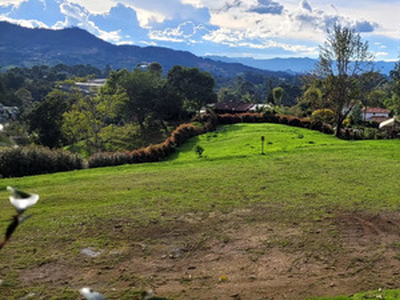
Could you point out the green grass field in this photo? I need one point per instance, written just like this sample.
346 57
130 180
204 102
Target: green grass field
304 178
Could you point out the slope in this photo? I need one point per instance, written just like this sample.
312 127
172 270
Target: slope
310 218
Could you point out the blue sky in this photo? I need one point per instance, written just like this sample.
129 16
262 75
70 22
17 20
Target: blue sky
235 28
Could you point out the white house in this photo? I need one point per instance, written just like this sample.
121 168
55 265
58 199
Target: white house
376 114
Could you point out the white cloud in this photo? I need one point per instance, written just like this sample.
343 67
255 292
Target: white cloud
147 43
15 3
76 15
195 3
95 6
245 39
24 23
381 54
146 17
267 7
306 5
187 32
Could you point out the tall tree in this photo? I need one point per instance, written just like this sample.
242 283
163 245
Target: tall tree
46 119
343 58
277 93
143 88
393 103
196 87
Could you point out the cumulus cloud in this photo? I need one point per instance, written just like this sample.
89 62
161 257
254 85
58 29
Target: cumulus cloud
94 6
364 26
247 39
187 32
267 7
159 11
124 19
14 3
76 15
24 23
307 18
306 5
384 54
230 5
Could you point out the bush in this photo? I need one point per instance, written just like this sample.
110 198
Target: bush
199 151
370 133
271 117
23 161
323 115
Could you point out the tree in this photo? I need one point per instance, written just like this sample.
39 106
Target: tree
395 77
393 103
47 117
169 106
270 97
89 116
143 88
376 98
196 87
277 93
343 58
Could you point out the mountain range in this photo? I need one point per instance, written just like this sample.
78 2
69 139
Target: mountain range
26 47
293 65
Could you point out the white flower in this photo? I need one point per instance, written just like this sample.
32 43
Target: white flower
22 200
89 294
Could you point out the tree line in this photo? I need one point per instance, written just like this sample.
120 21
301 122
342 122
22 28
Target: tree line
106 121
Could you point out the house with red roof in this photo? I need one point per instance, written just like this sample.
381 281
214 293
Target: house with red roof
376 114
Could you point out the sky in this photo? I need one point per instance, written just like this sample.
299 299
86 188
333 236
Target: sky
260 29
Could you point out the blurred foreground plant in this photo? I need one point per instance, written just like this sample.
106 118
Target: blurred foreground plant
21 201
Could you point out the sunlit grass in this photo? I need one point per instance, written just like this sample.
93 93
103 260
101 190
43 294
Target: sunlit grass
304 173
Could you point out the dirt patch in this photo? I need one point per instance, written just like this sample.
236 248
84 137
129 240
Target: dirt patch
246 254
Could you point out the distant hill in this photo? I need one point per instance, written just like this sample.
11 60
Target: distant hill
26 47
291 65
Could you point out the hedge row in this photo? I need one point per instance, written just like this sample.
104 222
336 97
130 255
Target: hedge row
269 117
153 153
17 162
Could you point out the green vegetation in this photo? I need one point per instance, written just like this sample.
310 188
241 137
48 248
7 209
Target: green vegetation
304 178
375 295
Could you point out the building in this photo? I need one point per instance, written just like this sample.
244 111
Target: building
238 107
89 87
376 114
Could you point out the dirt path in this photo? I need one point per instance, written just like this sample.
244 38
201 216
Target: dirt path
246 254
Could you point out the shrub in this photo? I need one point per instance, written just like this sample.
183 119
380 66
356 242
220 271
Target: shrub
199 151
23 161
323 115
370 133
109 159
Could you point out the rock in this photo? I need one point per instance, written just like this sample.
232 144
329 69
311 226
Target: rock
90 252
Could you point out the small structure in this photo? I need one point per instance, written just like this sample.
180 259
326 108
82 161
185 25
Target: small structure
89 87
392 124
376 114
8 113
238 107
260 106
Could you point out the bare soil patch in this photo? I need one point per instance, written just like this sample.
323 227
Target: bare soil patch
245 254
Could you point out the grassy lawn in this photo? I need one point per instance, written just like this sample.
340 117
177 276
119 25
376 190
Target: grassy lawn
304 178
